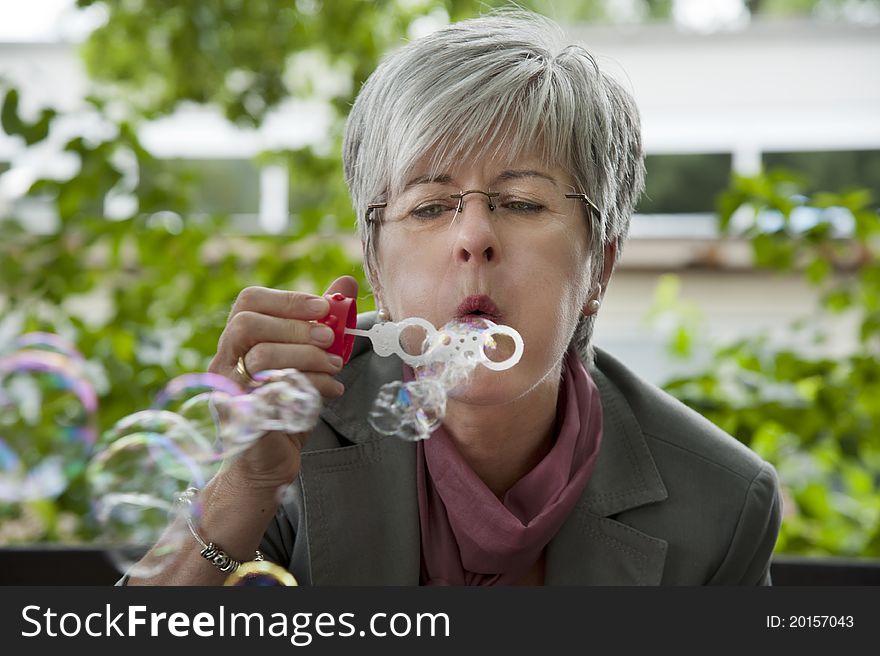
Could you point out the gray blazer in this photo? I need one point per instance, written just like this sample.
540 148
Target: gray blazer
673 500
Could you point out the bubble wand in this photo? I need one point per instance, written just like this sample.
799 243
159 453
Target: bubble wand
440 345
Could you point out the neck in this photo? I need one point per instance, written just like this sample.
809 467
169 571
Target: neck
503 443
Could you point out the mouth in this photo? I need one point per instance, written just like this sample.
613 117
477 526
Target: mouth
478 308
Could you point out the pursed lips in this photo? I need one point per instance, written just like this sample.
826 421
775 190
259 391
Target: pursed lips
478 306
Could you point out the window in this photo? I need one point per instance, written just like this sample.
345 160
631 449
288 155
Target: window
831 170
680 184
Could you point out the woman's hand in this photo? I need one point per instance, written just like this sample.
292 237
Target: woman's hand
275 329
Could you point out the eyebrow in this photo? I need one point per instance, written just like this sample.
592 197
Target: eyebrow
445 178
441 178
526 173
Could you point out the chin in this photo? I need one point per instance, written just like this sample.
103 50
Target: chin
485 387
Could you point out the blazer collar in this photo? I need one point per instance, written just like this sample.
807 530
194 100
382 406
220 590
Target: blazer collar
362 506
592 548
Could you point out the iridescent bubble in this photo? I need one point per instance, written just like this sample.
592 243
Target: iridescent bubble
289 401
186 386
231 420
176 428
47 423
261 574
47 341
45 480
285 401
413 410
136 483
410 411
201 400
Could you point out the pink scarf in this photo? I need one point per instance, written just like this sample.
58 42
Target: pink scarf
469 536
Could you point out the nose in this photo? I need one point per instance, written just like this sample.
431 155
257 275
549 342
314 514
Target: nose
476 237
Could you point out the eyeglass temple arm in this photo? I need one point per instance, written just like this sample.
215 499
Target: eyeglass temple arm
370 210
586 200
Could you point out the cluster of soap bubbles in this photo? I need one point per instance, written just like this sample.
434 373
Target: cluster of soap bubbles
442 360
137 471
48 421
150 457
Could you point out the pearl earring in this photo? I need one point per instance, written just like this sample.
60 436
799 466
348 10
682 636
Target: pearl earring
593 306
382 315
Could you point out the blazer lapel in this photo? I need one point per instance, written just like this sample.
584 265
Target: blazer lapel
360 501
362 514
591 548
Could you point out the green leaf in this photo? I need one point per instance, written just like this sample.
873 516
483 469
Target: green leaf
817 270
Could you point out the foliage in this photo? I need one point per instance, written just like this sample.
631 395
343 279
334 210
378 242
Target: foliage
144 295
811 412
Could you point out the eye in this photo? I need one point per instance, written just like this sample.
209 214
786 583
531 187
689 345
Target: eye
523 206
430 210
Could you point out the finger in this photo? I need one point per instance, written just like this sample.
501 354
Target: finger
327 386
281 303
345 285
303 357
247 329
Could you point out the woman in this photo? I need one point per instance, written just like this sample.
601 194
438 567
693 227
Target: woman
494 170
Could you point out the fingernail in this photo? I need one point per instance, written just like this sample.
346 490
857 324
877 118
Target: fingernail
321 334
335 361
318 306
340 388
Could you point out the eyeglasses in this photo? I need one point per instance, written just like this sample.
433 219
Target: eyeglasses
527 201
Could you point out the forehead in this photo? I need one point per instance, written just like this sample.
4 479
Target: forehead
484 168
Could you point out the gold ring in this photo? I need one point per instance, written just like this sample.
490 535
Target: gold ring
242 371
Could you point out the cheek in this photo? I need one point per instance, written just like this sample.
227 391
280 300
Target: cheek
405 275
575 292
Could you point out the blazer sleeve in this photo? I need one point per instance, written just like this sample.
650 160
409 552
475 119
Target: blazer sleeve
282 542
747 561
278 540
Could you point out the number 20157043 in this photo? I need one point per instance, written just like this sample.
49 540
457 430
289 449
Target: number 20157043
810 622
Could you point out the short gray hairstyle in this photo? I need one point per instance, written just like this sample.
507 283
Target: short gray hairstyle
501 84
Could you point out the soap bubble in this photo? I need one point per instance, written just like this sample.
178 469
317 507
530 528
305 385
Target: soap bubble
224 420
200 400
187 386
285 401
177 429
47 341
47 423
413 410
410 410
135 484
149 458
261 574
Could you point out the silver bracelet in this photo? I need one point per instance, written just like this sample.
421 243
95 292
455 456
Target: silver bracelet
210 551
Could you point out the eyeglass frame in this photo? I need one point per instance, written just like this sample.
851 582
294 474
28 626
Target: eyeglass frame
591 206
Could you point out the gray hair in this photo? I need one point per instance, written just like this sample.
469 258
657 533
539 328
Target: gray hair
497 84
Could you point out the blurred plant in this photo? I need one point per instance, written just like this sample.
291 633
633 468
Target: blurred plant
811 412
145 296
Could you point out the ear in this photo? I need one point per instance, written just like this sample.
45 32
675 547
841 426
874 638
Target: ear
609 261
594 300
